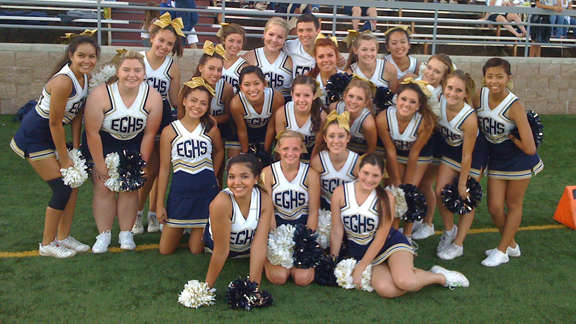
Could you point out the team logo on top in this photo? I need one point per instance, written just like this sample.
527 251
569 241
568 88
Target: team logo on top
359 223
274 80
127 125
192 148
491 126
303 69
160 85
243 238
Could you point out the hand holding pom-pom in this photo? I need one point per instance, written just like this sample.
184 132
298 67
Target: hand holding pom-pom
535 125
401 207
125 171
324 272
452 200
75 175
415 201
344 271
281 246
243 293
197 294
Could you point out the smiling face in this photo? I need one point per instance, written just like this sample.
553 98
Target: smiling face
303 96
163 42
252 87
211 70
233 44
496 79
434 72
196 103
366 51
369 176
274 38
290 149
241 180
326 58
455 91
398 44
84 59
336 138
355 99
407 104
307 33
131 73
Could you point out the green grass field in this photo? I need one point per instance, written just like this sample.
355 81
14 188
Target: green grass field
143 286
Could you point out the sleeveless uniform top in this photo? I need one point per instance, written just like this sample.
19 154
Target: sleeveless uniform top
279 77
495 123
411 69
403 141
191 151
75 102
217 103
306 130
331 178
290 198
360 221
302 62
160 78
243 227
451 130
356 128
258 120
125 123
378 76
232 74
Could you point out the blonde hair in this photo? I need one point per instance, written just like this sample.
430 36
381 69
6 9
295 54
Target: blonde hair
364 36
471 94
130 55
278 22
355 83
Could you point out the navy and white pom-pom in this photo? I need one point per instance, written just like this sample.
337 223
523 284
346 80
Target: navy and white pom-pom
415 201
454 203
126 171
307 252
324 228
535 125
75 175
383 98
281 246
345 269
336 85
196 294
324 272
258 150
243 293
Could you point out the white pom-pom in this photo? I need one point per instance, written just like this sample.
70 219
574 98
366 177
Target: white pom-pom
343 273
112 161
434 104
401 206
102 76
281 246
324 227
75 175
196 294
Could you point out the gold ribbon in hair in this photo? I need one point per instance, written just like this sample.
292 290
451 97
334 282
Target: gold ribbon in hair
196 82
210 49
352 34
220 32
423 85
343 119
119 53
370 83
318 90
403 27
322 36
87 32
165 20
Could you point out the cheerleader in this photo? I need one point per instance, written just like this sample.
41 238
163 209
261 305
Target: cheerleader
194 149
295 191
512 160
252 110
464 154
41 140
405 130
398 46
274 62
335 163
305 114
240 217
129 120
326 55
357 100
162 73
363 61
363 211
233 37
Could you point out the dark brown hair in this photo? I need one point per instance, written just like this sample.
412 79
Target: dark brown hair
184 92
317 105
178 48
71 49
383 199
427 114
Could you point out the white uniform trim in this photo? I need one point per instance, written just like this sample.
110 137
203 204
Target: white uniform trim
191 151
125 123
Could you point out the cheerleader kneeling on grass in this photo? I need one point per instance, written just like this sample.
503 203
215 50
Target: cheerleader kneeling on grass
364 211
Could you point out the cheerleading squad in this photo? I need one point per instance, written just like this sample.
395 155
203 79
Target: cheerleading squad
338 129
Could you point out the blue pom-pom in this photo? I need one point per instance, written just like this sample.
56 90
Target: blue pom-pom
324 271
382 99
243 293
535 125
454 203
131 170
336 85
415 201
307 252
258 150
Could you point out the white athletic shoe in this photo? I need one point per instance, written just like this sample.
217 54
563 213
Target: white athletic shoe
454 279
495 259
512 252
138 227
416 226
153 224
102 242
73 244
126 240
56 250
423 232
447 239
451 252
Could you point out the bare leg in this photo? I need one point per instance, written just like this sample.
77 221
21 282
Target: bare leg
67 216
302 277
127 208
406 277
195 242
509 28
371 12
427 187
276 274
514 199
103 205
170 239
356 12
445 176
151 170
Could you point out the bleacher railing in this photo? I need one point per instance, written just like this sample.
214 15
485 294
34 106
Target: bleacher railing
434 38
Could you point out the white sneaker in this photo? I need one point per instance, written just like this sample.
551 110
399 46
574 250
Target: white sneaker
416 226
423 232
153 224
447 239
102 242
451 252
126 240
454 279
495 259
512 252
73 244
56 250
414 244
138 227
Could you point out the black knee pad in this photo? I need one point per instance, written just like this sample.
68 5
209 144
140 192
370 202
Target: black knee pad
60 194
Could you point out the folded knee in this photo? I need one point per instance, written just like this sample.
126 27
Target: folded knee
277 278
406 283
60 194
304 279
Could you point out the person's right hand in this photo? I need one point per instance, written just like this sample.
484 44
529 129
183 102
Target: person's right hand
102 172
558 8
65 162
161 214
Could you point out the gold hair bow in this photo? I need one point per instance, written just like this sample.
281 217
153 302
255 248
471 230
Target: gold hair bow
318 90
403 27
370 83
352 34
199 82
221 30
423 85
210 49
343 119
165 20
322 36
119 53
279 135
87 32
